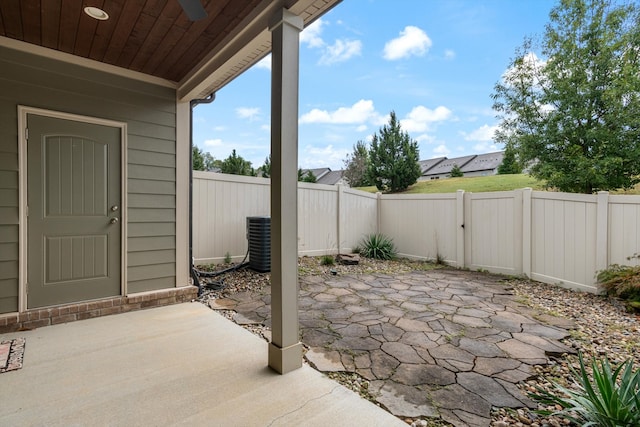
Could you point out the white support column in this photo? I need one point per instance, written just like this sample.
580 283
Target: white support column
285 349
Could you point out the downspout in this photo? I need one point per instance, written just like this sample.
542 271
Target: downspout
192 104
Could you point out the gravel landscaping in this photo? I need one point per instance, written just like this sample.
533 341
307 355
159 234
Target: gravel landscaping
604 328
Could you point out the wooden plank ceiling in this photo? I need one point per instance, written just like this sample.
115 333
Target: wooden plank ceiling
154 37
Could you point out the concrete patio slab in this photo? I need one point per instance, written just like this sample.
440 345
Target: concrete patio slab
177 365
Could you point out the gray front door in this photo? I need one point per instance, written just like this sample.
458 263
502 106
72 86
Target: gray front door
73 216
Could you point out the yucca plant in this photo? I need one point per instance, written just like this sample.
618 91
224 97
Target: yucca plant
377 246
610 399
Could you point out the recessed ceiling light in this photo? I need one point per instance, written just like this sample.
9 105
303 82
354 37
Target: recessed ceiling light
96 13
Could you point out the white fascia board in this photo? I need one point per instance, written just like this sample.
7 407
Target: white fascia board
244 47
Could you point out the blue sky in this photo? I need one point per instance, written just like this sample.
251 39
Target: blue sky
434 62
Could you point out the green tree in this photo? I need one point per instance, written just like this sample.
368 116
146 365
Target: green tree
575 119
202 160
510 164
310 177
265 169
456 172
236 165
393 158
306 176
356 166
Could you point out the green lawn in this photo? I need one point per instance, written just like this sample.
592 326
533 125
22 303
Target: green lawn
475 185
482 184
634 191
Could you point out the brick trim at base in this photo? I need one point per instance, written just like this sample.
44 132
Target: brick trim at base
39 317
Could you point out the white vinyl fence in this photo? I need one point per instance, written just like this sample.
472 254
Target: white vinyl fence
331 219
555 238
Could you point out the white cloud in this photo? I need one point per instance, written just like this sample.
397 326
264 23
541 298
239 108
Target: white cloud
359 113
412 41
484 133
485 147
266 128
340 51
213 142
264 63
546 108
429 139
314 157
441 150
449 54
250 113
361 128
334 136
219 128
311 35
419 119
528 70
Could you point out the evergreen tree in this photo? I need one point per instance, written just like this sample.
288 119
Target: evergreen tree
307 176
236 165
509 163
202 160
356 166
456 172
576 117
393 158
265 169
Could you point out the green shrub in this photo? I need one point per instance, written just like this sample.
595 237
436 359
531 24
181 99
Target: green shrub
610 399
327 260
227 258
377 246
456 172
621 281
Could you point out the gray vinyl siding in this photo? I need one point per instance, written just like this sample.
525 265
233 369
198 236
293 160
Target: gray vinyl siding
9 232
150 113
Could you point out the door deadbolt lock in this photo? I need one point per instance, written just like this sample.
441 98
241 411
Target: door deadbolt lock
114 208
114 220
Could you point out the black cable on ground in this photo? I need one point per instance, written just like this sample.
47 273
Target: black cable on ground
218 284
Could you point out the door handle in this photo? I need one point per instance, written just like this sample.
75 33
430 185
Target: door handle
114 208
113 220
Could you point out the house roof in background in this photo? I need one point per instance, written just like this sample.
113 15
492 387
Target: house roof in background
318 172
445 165
331 178
425 165
154 37
481 162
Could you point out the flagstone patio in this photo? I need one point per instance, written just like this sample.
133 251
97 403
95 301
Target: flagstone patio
446 343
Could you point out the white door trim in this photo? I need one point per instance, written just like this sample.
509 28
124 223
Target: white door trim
23 111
